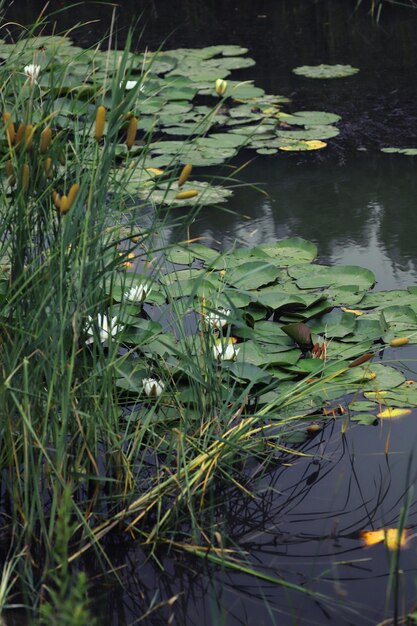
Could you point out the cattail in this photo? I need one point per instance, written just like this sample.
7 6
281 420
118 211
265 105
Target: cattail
46 136
10 129
72 194
48 167
56 199
9 169
25 176
29 132
399 341
361 359
185 195
11 178
131 131
62 158
64 208
100 120
20 134
186 171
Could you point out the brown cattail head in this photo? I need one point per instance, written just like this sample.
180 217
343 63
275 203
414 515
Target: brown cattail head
46 136
56 199
10 173
131 131
72 194
64 208
10 129
185 195
47 166
185 173
20 134
100 121
29 133
25 176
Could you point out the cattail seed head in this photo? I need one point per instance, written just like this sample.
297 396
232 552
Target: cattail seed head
10 129
48 167
25 176
186 171
56 199
100 121
29 133
131 131
64 208
72 194
20 134
46 136
185 195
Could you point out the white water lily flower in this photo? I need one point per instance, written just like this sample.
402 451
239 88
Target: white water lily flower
107 328
217 319
152 387
225 352
131 84
32 71
138 293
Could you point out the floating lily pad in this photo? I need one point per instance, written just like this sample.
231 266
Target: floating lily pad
325 71
406 151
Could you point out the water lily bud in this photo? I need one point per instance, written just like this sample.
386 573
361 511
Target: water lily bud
153 388
131 131
72 194
100 121
10 129
185 195
221 86
186 171
46 136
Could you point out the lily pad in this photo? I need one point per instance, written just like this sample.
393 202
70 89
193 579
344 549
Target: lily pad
325 71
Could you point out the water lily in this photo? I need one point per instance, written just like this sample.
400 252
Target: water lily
138 293
153 387
225 352
220 86
130 84
108 327
32 71
217 319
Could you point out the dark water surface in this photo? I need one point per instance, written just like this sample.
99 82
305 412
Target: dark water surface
360 207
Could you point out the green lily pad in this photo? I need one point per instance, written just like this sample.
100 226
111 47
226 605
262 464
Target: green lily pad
406 151
325 71
313 276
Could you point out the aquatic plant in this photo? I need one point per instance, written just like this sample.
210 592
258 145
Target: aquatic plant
115 417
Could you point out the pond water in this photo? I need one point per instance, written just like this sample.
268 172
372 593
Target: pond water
359 206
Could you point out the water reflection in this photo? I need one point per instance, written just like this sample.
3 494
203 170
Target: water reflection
302 524
361 213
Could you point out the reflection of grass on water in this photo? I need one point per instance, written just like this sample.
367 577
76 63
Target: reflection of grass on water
106 426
